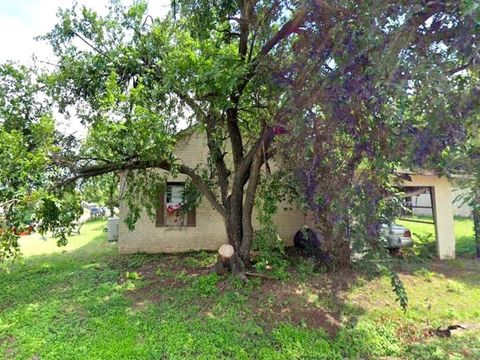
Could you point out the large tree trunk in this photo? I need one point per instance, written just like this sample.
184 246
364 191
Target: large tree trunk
233 224
239 222
336 243
247 226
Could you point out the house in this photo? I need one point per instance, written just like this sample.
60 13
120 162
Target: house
422 204
203 229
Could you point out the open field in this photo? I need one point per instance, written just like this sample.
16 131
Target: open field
90 303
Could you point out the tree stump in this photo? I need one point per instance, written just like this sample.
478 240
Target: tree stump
225 253
228 260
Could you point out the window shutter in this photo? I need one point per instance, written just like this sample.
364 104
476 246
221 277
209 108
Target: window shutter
160 215
192 218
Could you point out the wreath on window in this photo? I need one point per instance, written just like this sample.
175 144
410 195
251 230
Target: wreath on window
174 209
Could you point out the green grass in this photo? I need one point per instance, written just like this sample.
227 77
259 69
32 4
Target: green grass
91 303
35 245
424 234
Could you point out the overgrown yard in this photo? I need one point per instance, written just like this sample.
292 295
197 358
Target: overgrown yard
90 303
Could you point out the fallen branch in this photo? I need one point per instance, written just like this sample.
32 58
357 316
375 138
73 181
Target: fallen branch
260 275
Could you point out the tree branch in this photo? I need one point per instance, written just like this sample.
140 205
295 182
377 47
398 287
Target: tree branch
93 47
203 187
285 31
96 170
242 171
232 113
218 159
215 151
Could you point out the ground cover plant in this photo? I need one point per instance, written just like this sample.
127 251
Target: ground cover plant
90 303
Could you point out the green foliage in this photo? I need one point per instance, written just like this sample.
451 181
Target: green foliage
270 247
136 260
57 214
28 140
192 197
9 248
369 338
295 343
201 259
102 190
141 193
305 267
206 285
132 275
399 289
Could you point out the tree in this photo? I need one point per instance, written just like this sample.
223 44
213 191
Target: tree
397 88
148 73
243 72
103 190
27 140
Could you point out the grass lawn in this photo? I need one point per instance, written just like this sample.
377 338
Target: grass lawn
35 245
90 303
424 235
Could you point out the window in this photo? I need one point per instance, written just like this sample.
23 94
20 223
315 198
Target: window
169 212
174 194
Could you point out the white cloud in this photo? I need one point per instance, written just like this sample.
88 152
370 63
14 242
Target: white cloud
22 20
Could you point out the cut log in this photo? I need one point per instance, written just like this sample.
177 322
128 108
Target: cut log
228 260
226 252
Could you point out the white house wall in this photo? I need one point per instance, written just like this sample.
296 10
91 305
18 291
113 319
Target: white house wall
459 209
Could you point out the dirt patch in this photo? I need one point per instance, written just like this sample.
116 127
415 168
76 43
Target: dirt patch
9 341
167 273
306 316
456 268
316 303
148 294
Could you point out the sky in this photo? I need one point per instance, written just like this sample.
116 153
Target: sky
22 20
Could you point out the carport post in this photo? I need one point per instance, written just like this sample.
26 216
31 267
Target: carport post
443 215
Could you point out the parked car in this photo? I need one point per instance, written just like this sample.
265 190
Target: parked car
397 236
97 212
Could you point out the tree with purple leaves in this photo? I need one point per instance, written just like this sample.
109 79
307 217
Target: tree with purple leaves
382 88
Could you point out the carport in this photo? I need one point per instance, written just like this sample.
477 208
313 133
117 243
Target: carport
442 210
